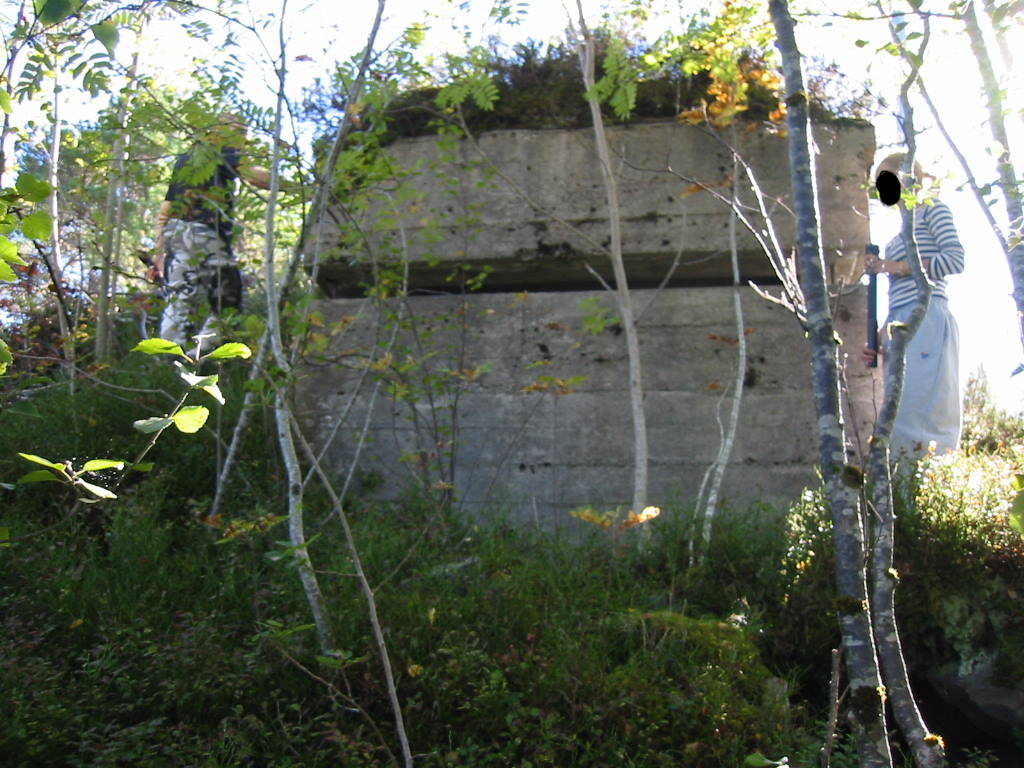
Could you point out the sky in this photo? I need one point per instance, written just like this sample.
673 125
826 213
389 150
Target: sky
317 32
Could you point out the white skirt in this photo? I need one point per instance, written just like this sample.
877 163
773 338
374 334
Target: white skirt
930 408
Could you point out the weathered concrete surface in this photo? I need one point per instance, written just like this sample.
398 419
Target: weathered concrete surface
542 217
487 422
538 454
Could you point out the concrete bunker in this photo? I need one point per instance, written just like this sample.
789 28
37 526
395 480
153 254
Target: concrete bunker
525 405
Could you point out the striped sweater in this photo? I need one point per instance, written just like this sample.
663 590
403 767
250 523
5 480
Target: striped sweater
936 240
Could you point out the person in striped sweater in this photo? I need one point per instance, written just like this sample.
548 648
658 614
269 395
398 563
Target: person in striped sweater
930 407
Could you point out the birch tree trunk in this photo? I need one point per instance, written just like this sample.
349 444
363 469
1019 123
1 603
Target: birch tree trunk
320 198
852 606
623 298
112 211
925 747
282 408
999 30
729 436
55 257
1004 163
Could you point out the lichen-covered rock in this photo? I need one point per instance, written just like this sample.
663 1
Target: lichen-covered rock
994 705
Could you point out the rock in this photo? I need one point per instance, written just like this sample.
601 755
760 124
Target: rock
974 692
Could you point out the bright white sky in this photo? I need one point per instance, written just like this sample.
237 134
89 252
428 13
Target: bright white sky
322 31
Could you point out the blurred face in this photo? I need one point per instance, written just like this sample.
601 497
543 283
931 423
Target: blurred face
895 168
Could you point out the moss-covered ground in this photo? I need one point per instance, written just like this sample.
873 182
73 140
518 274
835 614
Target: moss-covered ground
133 634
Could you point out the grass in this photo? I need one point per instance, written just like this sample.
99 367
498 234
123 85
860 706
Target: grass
133 635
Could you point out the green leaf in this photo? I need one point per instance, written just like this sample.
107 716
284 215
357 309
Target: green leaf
757 760
1016 512
107 34
97 465
206 383
860 43
33 190
197 381
37 226
145 466
229 350
154 424
9 252
279 630
5 101
191 418
8 224
214 391
55 11
40 460
5 357
96 490
159 347
39 476
5 536
6 273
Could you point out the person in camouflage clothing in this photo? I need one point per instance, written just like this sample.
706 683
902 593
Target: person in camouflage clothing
194 229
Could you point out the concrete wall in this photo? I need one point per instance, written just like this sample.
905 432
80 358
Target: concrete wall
518 443
542 453
531 204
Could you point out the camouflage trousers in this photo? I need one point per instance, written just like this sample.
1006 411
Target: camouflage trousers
200 277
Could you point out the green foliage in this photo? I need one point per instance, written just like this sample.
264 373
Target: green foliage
56 11
596 318
31 189
619 84
191 418
134 637
959 558
137 636
987 429
470 80
156 346
27 190
38 225
107 34
187 418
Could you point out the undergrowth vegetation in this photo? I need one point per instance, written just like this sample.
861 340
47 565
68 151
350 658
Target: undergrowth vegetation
137 634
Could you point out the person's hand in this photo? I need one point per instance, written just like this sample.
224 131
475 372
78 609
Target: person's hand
869 356
155 273
876 266
873 265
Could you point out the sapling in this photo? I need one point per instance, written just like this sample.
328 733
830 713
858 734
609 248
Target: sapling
186 418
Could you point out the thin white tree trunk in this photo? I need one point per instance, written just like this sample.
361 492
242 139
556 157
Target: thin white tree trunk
296 530
927 752
320 199
729 438
623 298
286 423
371 601
112 213
56 256
1013 198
